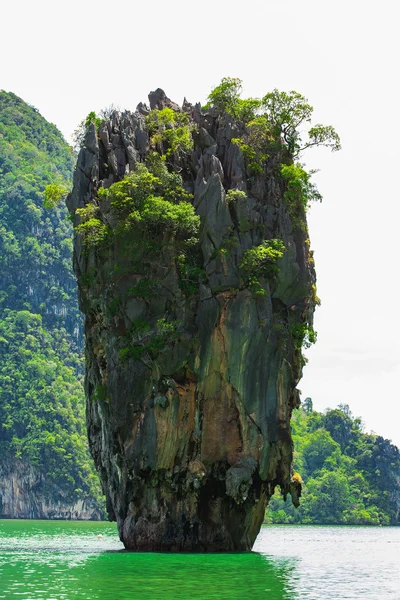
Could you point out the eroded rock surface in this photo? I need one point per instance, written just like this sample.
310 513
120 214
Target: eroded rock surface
190 441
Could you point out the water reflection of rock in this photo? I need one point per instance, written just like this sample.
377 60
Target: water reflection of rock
199 576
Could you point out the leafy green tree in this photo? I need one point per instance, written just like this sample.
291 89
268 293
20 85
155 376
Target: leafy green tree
258 143
95 233
225 97
327 497
282 113
263 259
53 194
269 127
300 191
340 426
307 405
288 112
319 447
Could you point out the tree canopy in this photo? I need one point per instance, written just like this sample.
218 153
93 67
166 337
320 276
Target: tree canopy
35 242
286 113
350 477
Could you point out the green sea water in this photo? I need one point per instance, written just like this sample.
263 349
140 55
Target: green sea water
64 560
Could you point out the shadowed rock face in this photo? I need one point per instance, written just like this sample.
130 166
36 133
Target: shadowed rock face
191 442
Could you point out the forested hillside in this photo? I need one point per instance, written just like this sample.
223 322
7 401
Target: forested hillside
349 477
42 423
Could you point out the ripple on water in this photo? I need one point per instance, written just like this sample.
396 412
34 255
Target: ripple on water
67 561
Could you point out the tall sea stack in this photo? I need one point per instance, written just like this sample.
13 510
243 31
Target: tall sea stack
198 288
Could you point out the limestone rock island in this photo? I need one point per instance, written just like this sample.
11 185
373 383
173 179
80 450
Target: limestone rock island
198 288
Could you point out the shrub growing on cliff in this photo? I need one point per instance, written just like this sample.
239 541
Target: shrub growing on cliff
95 233
225 97
171 131
299 191
80 132
258 143
171 187
303 335
235 195
144 288
158 213
140 201
190 273
262 260
149 341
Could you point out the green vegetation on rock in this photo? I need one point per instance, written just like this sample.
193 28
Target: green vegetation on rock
83 127
271 125
142 200
146 340
288 113
303 335
170 131
152 205
262 259
349 477
299 189
225 97
95 233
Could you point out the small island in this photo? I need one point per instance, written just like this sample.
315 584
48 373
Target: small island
197 282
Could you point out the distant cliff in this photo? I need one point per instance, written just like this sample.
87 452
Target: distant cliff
45 468
198 288
27 493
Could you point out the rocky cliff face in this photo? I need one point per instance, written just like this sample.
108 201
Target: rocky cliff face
192 347
25 494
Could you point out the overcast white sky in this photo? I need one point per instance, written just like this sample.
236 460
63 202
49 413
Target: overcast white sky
68 58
